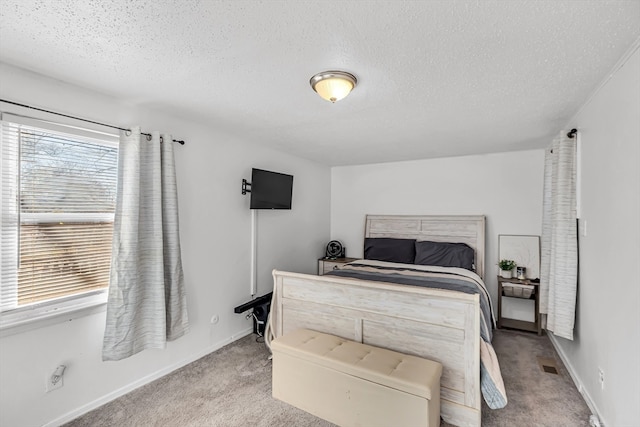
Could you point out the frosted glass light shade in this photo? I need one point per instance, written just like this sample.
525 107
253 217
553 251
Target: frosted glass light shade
333 85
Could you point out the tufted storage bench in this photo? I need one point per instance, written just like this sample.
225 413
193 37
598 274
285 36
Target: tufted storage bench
354 384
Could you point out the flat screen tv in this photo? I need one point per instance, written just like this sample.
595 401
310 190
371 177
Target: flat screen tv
270 190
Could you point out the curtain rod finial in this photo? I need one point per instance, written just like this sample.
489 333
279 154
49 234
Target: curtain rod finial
572 133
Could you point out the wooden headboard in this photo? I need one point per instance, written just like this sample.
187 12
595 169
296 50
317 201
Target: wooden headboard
436 228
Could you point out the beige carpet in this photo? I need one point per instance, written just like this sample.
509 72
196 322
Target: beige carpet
232 387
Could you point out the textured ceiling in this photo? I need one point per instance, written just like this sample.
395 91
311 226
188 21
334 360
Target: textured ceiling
436 78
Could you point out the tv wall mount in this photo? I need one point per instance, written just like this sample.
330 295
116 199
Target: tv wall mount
246 187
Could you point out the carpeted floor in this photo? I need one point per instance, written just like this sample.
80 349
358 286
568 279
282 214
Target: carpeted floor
232 387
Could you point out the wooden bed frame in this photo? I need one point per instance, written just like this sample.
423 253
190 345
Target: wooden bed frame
435 324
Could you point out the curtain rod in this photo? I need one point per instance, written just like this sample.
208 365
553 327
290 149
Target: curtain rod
78 118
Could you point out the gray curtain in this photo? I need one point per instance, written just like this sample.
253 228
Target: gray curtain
559 243
147 300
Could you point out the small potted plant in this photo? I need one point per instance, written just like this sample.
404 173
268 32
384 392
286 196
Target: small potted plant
506 268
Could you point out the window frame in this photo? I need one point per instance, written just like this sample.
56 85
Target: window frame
70 307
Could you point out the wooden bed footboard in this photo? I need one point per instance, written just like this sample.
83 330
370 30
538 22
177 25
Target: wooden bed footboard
435 324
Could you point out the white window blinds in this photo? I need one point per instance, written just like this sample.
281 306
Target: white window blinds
58 199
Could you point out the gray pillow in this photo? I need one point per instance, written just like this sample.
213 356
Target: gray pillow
445 254
390 249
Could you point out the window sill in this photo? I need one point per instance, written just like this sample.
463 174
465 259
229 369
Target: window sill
30 318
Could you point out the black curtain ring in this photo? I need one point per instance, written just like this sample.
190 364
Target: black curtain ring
161 139
127 132
148 137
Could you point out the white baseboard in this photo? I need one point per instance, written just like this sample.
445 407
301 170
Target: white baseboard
576 380
143 381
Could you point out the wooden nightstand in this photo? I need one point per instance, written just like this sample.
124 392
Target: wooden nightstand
325 264
534 326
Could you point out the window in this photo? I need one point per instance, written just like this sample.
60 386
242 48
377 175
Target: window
58 201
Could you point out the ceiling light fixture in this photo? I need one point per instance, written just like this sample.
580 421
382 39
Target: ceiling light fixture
333 85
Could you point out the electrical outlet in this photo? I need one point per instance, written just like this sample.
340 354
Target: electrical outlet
601 378
50 385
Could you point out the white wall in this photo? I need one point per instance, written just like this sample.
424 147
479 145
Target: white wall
608 319
215 234
506 187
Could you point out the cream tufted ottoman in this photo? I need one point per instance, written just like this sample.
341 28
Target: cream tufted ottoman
354 384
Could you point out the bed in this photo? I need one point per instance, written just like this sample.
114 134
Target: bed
363 302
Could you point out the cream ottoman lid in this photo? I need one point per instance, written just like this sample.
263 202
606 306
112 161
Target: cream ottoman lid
407 373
